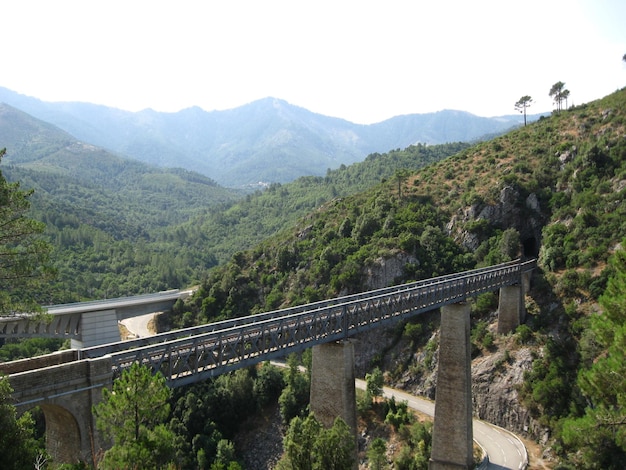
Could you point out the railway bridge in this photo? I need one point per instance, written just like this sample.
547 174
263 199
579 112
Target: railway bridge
67 384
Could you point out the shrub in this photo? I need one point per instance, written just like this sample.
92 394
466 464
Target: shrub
523 334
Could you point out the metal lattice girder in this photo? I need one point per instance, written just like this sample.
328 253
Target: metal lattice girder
492 271
248 340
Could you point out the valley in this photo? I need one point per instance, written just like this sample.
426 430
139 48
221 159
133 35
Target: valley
554 188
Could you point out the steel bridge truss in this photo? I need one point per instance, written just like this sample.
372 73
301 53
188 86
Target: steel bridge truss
194 354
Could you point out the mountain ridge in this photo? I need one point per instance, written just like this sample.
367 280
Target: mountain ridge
268 140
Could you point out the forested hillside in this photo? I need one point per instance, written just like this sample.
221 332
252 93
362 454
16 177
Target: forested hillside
121 227
103 213
555 189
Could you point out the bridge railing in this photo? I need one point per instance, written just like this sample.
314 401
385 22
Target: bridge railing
111 348
231 345
94 305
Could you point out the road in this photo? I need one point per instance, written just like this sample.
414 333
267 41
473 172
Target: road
138 325
110 304
505 450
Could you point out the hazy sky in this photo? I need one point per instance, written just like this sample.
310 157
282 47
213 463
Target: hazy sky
364 61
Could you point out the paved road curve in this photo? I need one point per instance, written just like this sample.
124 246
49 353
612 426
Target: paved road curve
138 326
504 449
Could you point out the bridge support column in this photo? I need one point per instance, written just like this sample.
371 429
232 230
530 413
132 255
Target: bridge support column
511 309
332 383
452 447
98 327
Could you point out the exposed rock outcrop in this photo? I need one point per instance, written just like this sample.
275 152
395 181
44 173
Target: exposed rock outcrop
385 271
511 211
495 379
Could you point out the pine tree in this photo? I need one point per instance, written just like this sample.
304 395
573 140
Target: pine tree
523 103
24 255
132 417
558 93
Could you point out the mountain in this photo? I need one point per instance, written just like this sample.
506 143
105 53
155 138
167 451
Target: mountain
266 141
134 227
35 144
555 190
79 178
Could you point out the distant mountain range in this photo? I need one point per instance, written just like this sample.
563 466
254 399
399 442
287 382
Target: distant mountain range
82 178
263 142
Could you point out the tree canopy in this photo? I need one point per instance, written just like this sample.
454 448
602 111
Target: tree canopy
523 103
18 447
600 435
559 94
132 416
24 255
309 446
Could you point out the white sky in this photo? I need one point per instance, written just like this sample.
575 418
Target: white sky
364 61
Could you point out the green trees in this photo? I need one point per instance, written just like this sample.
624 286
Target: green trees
295 396
559 94
523 103
376 454
374 382
309 446
207 415
18 447
24 256
416 453
599 437
166 237
132 416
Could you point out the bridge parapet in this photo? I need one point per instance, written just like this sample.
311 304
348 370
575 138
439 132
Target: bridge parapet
38 362
66 392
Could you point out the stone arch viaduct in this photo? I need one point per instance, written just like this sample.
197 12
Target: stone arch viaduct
67 384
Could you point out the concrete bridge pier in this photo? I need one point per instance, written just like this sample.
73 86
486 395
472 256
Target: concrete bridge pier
452 447
71 434
511 304
100 327
511 308
332 383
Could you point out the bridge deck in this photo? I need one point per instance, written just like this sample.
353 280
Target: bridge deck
193 354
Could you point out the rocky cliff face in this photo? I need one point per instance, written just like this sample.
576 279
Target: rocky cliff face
511 211
495 379
497 374
385 271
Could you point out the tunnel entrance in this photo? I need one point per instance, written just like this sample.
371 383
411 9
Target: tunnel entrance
530 247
